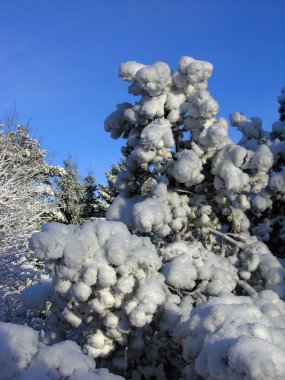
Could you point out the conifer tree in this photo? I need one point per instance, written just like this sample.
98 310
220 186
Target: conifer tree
70 192
182 279
89 198
107 193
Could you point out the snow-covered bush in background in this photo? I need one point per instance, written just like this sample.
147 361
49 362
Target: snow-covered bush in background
24 357
135 291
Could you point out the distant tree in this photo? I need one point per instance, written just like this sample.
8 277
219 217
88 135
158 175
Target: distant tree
281 100
107 193
69 192
26 194
26 201
89 197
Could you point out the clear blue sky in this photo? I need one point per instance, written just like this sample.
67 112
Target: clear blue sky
59 62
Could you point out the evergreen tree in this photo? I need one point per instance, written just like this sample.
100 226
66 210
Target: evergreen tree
69 192
89 199
184 284
107 193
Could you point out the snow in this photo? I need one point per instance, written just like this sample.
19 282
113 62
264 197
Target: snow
129 69
231 337
153 79
36 296
117 122
24 357
211 274
187 168
277 184
18 346
155 143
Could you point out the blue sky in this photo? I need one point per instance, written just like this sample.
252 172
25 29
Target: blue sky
59 62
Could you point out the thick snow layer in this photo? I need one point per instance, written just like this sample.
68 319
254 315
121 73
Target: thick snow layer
231 337
250 128
216 135
160 214
23 357
192 74
152 106
153 79
202 105
129 69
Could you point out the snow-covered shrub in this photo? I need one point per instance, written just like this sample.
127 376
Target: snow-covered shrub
230 337
105 282
24 357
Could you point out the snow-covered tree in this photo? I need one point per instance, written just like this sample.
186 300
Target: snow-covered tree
108 192
89 196
180 280
69 192
26 201
26 194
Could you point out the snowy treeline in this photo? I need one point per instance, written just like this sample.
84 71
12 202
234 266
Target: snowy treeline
185 279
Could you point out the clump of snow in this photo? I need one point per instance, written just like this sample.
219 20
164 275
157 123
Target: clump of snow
250 128
162 213
237 169
189 265
187 168
277 184
153 79
216 135
129 69
257 260
202 105
117 122
155 143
